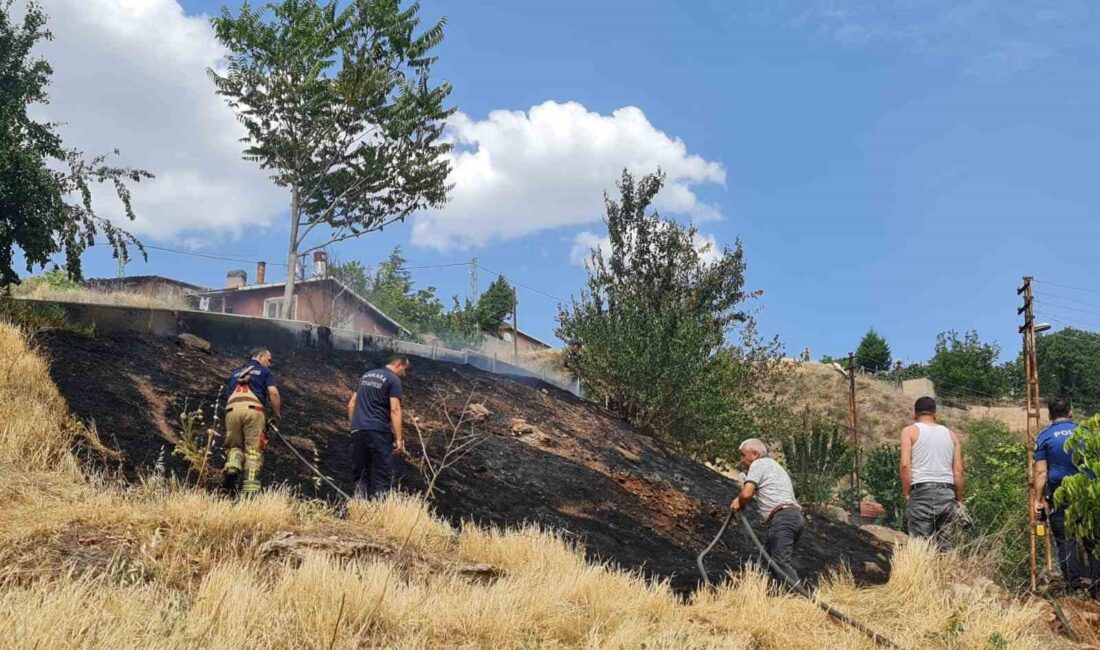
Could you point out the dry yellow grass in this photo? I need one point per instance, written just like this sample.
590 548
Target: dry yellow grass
42 291
87 563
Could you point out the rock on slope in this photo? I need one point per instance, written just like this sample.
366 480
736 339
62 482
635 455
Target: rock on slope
569 465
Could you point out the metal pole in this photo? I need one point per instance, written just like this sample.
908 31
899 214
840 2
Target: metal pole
473 280
856 482
1032 379
515 327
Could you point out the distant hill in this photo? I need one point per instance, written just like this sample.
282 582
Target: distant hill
882 409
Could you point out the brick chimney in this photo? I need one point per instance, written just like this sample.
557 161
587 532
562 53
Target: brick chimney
236 279
261 272
320 264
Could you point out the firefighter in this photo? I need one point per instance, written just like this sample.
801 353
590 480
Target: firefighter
251 388
374 416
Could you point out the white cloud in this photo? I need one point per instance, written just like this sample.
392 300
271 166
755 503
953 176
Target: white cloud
131 75
585 242
992 40
709 250
517 173
583 245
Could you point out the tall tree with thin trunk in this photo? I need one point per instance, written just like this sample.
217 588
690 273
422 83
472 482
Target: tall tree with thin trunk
336 100
45 188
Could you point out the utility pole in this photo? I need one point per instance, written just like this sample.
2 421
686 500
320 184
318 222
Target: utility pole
515 326
1031 373
473 280
857 484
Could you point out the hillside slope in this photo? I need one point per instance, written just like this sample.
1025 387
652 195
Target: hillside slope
581 470
882 409
88 561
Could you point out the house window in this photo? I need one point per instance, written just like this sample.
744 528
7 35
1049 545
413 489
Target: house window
272 305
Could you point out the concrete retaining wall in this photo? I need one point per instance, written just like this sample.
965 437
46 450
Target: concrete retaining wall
233 331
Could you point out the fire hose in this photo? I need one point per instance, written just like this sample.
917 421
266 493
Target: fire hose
791 583
311 466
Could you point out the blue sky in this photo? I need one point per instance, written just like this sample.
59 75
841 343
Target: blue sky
884 165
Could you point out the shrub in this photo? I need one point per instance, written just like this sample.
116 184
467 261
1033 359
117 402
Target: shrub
1080 493
997 495
882 479
817 456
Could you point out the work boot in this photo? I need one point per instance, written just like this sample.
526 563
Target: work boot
231 482
253 462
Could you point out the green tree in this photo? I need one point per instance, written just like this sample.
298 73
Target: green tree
1013 377
336 101
353 275
882 479
963 367
41 177
495 306
1069 365
1080 493
648 334
873 354
391 289
816 455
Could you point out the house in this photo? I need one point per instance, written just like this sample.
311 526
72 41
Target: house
503 347
154 286
320 299
525 342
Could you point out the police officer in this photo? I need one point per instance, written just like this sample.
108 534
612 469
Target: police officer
251 388
1053 463
374 415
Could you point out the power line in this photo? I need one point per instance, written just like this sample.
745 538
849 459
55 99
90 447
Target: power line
525 286
1075 324
239 259
1073 300
1066 286
1075 309
432 266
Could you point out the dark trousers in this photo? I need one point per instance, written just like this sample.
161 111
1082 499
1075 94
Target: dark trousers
1077 567
784 531
372 463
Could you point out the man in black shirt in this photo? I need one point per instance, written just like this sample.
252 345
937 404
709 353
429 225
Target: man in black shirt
374 415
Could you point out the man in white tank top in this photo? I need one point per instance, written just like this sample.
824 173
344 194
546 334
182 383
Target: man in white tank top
931 475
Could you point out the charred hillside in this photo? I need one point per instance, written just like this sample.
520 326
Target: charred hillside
569 465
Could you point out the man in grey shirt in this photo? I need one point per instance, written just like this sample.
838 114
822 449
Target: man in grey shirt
769 484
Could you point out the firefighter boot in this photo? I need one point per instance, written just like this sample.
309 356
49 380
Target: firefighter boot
232 473
253 462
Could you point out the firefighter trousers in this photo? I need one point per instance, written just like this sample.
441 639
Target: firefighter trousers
244 444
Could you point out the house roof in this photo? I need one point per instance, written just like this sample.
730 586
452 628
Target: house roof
134 279
343 287
507 327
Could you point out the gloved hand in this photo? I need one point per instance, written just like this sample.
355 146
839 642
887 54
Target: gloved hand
273 422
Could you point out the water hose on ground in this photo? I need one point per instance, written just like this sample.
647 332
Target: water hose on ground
791 583
699 559
311 466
